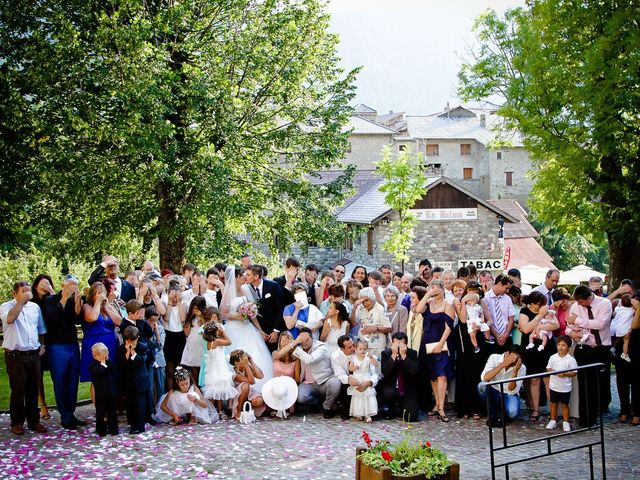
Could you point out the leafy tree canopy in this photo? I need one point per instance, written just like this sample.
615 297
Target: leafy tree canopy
565 75
193 122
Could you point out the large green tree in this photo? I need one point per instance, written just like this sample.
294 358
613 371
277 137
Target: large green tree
196 122
566 75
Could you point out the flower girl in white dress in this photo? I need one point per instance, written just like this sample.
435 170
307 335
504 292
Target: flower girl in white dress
184 404
218 381
363 366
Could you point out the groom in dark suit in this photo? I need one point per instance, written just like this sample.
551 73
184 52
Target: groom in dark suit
269 296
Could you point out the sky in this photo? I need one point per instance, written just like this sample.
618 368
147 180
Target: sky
410 50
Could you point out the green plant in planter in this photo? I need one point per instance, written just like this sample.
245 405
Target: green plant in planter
408 457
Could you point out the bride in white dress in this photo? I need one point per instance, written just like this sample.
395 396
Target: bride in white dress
244 334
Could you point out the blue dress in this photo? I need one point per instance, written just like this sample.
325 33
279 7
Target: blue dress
102 330
436 364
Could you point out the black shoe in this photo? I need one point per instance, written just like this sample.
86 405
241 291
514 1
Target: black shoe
151 421
327 413
69 426
135 431
78 423
314 409
114 432
345 416
101 434
494 422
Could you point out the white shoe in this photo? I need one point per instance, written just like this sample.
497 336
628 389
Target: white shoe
625 356
530 346
551 425
566 427
540 348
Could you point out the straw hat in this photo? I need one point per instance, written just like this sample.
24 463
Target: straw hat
280 393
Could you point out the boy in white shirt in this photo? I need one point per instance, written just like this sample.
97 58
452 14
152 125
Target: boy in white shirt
560 384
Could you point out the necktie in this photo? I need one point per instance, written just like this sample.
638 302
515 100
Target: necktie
595 333
499 316
257 292
549 298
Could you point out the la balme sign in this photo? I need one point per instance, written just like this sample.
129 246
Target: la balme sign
445 214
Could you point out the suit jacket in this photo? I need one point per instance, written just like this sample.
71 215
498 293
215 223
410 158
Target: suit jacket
409 367
134 372
271 305
104 379
128 291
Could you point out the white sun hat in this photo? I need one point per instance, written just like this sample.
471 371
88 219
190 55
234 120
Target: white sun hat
280 393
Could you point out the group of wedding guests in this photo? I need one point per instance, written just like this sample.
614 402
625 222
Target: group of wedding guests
198 346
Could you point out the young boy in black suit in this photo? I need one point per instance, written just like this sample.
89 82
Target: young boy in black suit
103 377
132 358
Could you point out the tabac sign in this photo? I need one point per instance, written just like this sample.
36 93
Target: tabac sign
445 214
482 264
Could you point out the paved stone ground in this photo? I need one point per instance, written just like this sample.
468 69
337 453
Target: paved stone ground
298 448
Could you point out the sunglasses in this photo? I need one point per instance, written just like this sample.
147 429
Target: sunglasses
339 271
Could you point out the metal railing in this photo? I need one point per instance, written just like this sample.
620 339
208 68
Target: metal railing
547 438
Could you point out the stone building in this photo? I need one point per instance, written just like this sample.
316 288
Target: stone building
455 227
458 143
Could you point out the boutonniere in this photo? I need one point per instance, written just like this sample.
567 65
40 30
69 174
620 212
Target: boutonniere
267 295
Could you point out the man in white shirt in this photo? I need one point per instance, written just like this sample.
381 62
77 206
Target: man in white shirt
499 308
503 367
198 288
550 282
23 330
319 381
215 288
340 364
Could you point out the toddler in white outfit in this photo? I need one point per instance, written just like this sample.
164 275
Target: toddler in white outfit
475 320
621 324
541 333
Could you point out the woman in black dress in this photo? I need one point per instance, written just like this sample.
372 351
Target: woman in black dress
469 364
634 353
534 310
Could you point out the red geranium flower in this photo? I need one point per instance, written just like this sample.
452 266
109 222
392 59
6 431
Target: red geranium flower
386 455
366 438
428 444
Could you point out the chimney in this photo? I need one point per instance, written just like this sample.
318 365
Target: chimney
447 108
483 120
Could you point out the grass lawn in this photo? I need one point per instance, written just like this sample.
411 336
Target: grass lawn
5 391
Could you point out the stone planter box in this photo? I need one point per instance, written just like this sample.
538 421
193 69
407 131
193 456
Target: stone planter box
365 472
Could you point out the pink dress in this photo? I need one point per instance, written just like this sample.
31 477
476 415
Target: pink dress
281 369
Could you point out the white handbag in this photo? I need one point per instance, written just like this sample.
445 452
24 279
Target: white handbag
247 415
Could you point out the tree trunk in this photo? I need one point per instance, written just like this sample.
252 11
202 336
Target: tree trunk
172 244
624 258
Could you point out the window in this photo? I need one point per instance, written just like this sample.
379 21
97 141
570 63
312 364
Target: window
370 241
348 244
433 166
499 155
467 173
402 147
465 149
508 179
433 149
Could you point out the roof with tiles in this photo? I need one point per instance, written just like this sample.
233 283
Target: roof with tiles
521 229
458 123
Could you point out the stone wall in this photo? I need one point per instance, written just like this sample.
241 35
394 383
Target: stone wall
514 160
366 150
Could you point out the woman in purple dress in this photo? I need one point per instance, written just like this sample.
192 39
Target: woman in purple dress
434 352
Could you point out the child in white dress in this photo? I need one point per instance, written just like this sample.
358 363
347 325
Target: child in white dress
541 333
192 353
185 404
363 365
218 382
475 321
621 324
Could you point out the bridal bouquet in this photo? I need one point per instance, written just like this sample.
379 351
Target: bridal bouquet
248 310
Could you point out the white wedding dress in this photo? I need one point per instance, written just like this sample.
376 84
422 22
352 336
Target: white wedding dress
244 336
